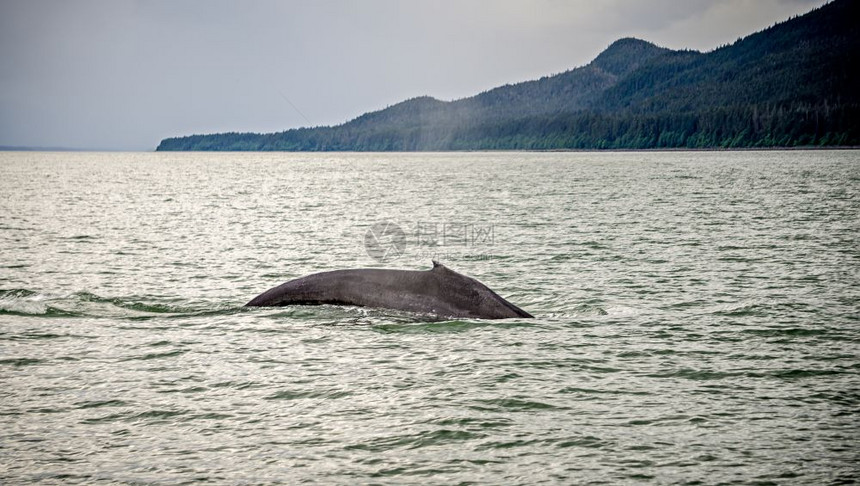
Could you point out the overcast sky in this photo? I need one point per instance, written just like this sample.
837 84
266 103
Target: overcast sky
123 74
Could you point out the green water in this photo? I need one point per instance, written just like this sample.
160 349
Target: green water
697 319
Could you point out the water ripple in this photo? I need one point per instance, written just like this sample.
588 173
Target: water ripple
696 320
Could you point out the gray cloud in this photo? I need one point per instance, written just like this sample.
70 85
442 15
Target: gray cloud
122 74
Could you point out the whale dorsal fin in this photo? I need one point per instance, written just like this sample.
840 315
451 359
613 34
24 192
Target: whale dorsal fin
440 269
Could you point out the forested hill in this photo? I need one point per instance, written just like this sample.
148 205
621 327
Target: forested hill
794 84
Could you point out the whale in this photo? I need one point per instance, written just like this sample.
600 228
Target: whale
439 291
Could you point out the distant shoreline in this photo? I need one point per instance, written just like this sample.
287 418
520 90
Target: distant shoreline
665 149
713 149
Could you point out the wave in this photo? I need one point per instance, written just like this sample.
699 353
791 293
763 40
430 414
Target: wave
26 302
84 304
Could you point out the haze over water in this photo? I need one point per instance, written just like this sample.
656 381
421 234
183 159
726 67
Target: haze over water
696 319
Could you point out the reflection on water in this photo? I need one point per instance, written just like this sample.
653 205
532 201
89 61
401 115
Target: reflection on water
696 317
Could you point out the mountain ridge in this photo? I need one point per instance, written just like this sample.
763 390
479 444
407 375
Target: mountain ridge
788 85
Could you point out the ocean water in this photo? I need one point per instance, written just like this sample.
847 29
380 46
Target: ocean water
697 319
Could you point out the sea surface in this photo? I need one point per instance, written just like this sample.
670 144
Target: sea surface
697 319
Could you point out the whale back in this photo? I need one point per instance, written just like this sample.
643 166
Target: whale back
439 291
